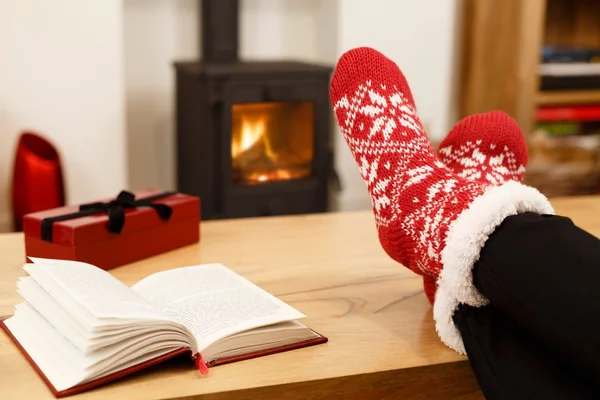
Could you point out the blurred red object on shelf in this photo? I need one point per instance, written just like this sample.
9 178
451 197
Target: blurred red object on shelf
37 182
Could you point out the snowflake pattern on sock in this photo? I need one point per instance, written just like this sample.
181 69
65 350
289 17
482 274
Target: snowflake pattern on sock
487 163
415 197
488 147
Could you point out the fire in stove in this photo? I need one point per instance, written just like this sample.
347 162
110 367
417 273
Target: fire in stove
271 141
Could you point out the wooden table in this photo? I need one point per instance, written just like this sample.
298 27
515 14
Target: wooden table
331 267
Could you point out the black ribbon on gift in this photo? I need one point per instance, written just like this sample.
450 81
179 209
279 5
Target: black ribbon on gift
115 210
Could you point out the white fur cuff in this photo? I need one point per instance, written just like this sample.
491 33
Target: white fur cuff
466 237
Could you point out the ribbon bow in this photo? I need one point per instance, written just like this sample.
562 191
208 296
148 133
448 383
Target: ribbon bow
115 210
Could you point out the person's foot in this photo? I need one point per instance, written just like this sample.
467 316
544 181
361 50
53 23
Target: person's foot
428 218
488 148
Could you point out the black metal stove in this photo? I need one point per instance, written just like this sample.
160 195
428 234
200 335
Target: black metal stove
253 138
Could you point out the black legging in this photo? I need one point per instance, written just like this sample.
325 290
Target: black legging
540 337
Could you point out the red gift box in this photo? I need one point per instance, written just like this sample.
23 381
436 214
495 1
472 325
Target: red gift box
114 232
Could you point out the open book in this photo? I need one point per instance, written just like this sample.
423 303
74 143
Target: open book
81 327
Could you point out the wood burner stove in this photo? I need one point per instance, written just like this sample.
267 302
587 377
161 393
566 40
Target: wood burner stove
253 138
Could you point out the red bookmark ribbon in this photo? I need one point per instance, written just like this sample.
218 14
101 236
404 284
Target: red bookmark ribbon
201 365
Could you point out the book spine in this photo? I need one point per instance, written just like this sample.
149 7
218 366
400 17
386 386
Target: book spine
550 83
562 114
551 54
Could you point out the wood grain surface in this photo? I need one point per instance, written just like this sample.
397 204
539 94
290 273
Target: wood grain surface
331 267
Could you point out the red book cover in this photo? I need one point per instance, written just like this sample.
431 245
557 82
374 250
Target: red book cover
123 373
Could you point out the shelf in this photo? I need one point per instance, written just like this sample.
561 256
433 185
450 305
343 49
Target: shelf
567 97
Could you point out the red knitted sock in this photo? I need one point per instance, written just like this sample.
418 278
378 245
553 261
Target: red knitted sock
488 148
428 218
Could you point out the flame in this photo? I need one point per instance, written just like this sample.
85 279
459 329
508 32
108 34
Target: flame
259 154
252 131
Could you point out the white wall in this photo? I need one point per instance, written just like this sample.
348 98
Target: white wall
155 33
97 76
61 74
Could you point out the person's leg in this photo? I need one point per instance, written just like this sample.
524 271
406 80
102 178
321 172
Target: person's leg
428 218
543 272
487 148
510 365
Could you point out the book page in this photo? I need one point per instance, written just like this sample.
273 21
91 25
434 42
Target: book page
91 289
64 365
41 301
213 301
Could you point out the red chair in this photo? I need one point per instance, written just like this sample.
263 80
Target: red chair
37 177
